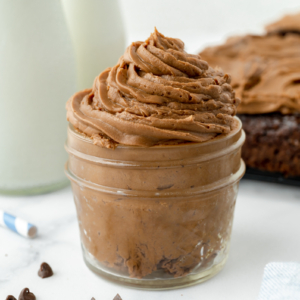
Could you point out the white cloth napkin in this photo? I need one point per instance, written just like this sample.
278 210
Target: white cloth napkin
281 281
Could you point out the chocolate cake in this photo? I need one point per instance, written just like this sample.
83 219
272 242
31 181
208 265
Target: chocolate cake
265 72
272 143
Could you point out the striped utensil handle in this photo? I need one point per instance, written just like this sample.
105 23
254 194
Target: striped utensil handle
17 225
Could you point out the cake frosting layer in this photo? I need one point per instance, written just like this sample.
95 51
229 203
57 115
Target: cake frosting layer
265 70
288 24
156 94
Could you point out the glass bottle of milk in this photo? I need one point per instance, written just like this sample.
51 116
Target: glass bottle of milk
98 35
37 76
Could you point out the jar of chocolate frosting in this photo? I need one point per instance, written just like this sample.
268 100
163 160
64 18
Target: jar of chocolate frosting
155 162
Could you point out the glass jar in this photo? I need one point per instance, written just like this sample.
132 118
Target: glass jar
157 217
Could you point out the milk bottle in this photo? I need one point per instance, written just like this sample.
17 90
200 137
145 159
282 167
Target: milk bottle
37 76
97 31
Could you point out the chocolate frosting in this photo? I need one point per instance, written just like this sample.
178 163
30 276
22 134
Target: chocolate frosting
288 24
156 94
265 71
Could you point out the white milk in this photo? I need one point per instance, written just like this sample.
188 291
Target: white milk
97 31
37 76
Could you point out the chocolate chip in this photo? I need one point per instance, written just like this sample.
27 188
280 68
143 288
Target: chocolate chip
117 297
45 270
93 298
10 297
26 295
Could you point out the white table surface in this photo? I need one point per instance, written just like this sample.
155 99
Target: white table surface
266 228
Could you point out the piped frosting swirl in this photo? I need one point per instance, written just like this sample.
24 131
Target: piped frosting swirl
156 94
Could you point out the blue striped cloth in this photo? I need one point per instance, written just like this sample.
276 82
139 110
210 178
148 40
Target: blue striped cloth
281 281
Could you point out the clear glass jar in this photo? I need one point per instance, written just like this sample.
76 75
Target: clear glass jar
157 217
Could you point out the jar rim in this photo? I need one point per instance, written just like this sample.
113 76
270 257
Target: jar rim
220 138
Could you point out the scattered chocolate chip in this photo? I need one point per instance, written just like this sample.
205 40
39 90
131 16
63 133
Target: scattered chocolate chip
45 270
117 297
10 297
93 298
26 295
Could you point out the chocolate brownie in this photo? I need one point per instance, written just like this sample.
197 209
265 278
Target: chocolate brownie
272 142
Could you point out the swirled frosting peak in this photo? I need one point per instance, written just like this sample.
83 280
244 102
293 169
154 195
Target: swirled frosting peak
156 94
